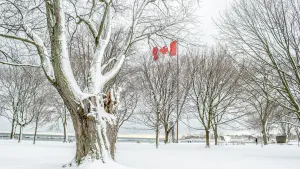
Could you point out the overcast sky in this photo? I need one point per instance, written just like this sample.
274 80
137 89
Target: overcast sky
208 9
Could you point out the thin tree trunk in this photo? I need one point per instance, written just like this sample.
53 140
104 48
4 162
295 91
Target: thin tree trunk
157 137
216 134
298 135
12 133
157 131
207 139
166 141
21 133
65 125
167 136
35 131
65 132
15 130
173 135
264 133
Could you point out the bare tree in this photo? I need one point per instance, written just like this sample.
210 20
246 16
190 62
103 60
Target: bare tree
42 109
24 21
20 88
159 90
260 97
129 100
266 31
60 117
214 83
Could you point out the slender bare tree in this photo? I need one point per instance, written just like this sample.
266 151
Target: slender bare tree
60 117
21 88
213 86
260 97
159 90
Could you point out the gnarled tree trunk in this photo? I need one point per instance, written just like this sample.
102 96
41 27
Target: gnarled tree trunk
90 130
112 133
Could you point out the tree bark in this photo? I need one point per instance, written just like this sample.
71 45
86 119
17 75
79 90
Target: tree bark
157 130
21 133
264 133
65 133
12 133
216 134
91 137
167 133
65 125
112 133
207 139
156 137
87 137
15 130
173 135
35 131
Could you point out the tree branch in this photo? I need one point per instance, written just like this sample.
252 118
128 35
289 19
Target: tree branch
17 64
18 38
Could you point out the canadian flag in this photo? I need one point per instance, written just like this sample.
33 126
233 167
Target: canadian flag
164 50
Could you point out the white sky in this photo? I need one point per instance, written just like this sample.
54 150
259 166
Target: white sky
208 10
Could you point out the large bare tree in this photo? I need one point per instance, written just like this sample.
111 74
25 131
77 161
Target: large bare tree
24 21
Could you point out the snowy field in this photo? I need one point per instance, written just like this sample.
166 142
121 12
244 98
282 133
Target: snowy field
52 155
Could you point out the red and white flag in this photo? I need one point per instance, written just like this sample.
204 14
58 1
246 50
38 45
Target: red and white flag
173 48
164 50
155 53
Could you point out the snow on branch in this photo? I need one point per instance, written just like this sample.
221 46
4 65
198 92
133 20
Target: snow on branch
43 53
17 38
101 45
17 64
108 62
109 75
38 43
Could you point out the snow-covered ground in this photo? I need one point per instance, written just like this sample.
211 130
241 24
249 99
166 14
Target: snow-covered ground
52 155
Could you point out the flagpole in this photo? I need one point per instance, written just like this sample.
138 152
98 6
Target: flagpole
177 125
